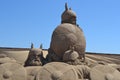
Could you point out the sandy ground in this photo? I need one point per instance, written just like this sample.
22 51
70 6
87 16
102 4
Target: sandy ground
20 55
108 58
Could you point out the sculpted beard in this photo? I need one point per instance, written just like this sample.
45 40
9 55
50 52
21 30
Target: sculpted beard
35 62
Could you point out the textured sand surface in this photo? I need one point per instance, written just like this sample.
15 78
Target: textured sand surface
20 55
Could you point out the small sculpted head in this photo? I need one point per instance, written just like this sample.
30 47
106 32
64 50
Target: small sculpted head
35 57
68 16
71 57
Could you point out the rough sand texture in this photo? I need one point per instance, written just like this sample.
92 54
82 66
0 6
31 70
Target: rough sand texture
20 55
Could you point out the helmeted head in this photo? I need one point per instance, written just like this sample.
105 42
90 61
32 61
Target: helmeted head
70 55
35 57
68 16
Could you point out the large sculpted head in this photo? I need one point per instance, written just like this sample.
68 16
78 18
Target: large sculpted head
35 57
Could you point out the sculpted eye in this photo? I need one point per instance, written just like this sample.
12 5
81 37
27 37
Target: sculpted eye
39 55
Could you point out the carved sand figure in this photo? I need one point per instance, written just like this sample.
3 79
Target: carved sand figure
66 57
104 72
65 36
62 71
72 57
12 71
35 57
32 72
84 71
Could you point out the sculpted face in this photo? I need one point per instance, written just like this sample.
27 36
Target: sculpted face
35 57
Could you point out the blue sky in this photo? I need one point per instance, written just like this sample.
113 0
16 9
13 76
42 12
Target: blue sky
26 21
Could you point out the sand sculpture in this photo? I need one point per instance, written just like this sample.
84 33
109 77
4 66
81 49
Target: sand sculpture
104 72
65 59
31 72
66 36
62 71
12 71
35 57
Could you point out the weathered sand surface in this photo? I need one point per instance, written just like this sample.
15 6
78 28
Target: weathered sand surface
108 58
20 55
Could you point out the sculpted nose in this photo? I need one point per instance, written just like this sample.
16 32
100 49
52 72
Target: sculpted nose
36 57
